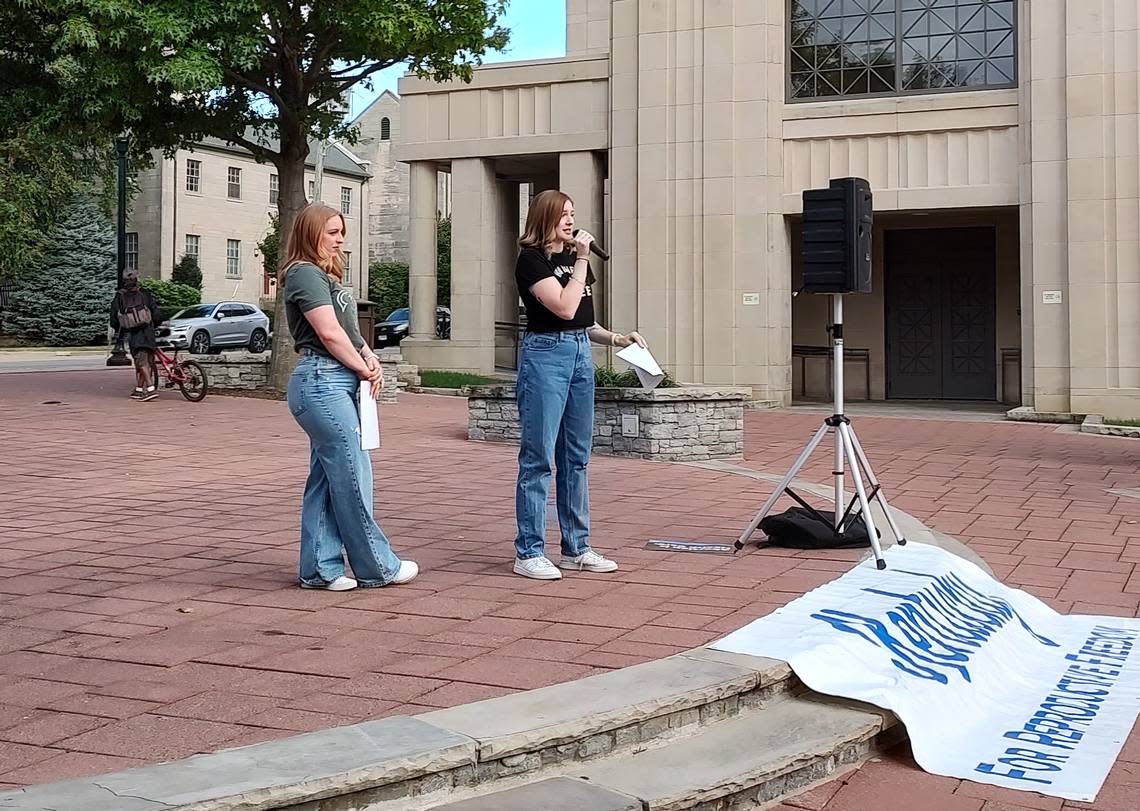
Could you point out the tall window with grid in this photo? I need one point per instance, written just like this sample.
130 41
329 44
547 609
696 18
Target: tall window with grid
274 189
345 200
194 246
233 258
347 281
194 176
312 190
233 183
132 251
885 47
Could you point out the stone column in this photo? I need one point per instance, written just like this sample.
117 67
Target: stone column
477 245
506 291
1081 205
587 26
695 179
423 205
582 176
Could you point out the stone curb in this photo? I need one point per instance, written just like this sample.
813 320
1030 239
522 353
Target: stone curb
1095 424
1028 414
405 759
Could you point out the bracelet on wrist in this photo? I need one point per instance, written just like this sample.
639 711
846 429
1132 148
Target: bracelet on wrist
613 338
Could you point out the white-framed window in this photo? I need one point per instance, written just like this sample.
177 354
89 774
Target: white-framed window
194 246
312 190
274 189
233 258
193 175
233 183
132 251
347 268
345 200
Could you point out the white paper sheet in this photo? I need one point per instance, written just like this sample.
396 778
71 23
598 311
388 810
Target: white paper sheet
648 372
369 419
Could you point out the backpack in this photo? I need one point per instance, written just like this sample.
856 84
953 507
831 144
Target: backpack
134 309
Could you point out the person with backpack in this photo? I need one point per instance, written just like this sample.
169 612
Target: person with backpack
134 313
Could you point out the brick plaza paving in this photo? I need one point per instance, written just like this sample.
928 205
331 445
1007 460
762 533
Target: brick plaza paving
149 610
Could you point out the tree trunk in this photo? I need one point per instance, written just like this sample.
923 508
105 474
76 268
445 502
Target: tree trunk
290 201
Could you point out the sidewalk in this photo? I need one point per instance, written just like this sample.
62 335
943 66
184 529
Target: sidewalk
148 608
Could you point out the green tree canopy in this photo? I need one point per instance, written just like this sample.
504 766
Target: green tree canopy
267 75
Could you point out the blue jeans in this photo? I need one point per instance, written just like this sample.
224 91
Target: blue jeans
337 505
555 393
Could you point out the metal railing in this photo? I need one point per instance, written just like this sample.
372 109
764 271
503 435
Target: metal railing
802 353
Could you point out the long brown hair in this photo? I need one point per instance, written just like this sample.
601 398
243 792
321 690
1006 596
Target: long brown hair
304 244
542 219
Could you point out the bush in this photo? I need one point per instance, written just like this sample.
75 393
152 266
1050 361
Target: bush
171 296
388 287
66 301
188 273
607 377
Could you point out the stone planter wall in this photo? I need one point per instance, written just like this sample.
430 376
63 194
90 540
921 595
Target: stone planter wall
246 371
689 423
235 370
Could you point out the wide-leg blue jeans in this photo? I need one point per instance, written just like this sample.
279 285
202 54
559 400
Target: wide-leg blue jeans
336 510
555 391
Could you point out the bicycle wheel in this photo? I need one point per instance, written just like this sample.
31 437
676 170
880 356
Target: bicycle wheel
192 380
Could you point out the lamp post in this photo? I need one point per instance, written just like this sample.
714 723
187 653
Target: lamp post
118 356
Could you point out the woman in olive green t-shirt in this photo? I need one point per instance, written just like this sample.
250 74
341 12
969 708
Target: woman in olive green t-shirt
336 511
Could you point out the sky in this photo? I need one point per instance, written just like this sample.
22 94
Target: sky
538 31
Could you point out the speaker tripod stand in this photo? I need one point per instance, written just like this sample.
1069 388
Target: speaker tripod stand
848 452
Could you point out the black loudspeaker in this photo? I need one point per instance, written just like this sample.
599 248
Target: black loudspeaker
837 237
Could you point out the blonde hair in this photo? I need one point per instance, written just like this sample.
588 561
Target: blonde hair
304 243
542 219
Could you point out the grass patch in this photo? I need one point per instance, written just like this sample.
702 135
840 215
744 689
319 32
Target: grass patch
434 379
606 377
1119 421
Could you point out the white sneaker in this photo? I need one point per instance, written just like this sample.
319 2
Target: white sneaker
537 568
342 583
407 573
588 561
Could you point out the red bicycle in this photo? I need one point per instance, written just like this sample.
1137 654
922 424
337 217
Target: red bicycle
187 375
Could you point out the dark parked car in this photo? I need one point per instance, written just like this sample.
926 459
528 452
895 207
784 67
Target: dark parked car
394 328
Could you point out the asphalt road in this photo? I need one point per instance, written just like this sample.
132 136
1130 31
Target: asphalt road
18 362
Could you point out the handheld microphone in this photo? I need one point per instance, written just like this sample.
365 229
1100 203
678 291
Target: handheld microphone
596 249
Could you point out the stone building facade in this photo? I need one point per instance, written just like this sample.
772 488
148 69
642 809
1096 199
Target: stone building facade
379 129
1000 138
214 201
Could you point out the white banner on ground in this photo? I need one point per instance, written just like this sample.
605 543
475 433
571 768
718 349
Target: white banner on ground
991 683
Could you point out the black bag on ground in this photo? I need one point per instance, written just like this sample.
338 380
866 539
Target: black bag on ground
799 529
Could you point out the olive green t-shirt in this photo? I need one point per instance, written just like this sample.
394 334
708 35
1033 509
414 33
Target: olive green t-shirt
308 287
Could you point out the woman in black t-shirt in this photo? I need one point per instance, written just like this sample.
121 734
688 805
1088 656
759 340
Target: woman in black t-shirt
556 388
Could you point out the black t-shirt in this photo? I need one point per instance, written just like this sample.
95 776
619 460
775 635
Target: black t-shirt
534 266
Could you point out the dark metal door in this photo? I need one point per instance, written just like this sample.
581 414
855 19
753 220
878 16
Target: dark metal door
940 314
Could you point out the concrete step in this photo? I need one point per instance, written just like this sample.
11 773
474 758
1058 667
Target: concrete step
414 763
747 761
